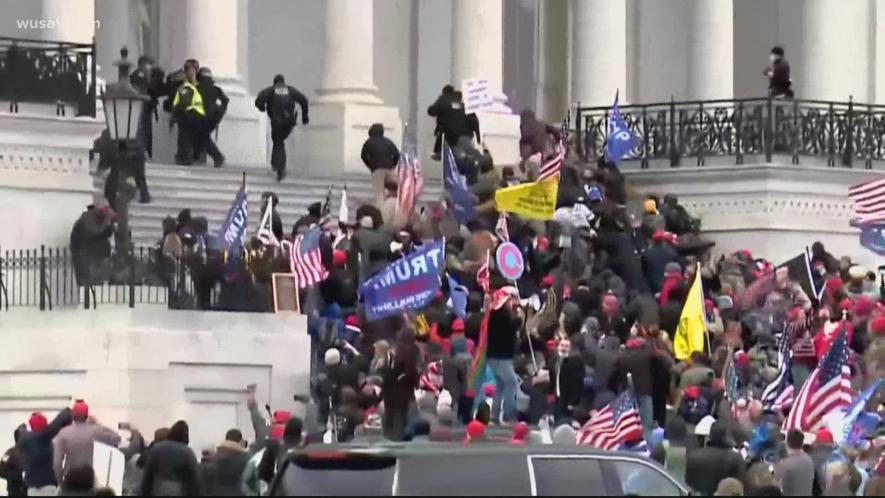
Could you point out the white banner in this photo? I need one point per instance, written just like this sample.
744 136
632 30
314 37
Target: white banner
477 95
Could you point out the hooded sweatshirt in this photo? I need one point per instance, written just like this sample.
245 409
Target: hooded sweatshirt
379 152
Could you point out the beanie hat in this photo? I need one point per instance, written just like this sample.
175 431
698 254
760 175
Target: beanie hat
863 306
457 326
547 281
834 285
281 416
650 206
823 437
38 422
857 272
673 267
692 392
80 408
877 325
475 429
520 432
724 303
339 258
333 356
659 235
352 324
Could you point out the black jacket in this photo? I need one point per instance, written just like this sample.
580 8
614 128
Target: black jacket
452 121
279 103
378 151
37 450
222 476
215 101
503 327
705 467
171 470
571 380
654 262
12 468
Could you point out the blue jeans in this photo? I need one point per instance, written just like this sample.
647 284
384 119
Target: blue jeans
505 389
646 416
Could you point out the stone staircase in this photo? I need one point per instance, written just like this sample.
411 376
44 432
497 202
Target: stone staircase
209 192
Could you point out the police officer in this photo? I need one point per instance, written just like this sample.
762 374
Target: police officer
279 102
215 104
189 113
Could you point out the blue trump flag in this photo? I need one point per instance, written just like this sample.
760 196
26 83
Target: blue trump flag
406 284
233 231
858 424
620 139
459 195
872 236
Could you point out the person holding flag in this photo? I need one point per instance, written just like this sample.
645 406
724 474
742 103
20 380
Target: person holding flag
459 198
233 232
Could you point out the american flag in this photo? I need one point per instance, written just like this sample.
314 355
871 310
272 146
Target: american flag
483 275
614 425
828 388
409 179
501 227
869 200
552 167
778 394
265 229
305 259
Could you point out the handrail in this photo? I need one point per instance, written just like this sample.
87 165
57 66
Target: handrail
839 132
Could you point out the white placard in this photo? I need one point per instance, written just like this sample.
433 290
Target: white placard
109 464
477 95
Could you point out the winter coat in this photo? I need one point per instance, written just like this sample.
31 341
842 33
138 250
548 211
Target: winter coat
705 467
570 372
12 468
638 359
374 247
379 152
503 327
535 134
279 103
654 263
171 470
37 450
215 101
225 470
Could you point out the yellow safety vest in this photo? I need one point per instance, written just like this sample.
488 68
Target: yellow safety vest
196 104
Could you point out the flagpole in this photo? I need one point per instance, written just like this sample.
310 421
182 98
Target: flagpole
703 307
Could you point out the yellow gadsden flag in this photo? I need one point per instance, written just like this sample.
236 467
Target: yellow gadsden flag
692 325
530 200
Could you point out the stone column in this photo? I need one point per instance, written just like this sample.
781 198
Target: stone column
599 51
115 28
207 30
69 20
348 75
833 60
348 102
552 93
478 52
711 50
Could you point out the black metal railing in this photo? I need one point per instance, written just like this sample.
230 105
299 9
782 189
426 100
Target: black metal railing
54 72
842 133
53 278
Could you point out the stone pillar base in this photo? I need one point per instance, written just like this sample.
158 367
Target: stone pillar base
332 142
500 131
241 136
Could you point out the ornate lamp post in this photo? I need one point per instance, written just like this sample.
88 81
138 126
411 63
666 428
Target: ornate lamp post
122 109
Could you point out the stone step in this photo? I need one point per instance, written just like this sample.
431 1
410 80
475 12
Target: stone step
209 192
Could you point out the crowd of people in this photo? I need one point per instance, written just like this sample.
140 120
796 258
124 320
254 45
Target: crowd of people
596 313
